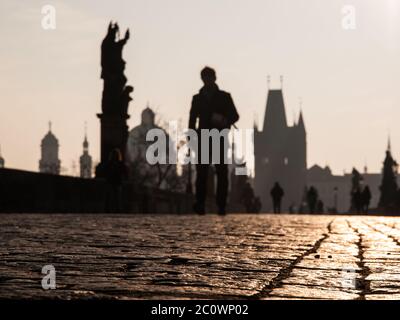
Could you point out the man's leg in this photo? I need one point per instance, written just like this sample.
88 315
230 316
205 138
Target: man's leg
222 186
201 187
221 169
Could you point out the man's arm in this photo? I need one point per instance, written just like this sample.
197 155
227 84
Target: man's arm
232 113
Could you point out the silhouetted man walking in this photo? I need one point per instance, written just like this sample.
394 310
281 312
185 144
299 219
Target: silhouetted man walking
277 194
214 109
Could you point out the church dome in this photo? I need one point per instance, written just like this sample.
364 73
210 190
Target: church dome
50 139
137 143
148 116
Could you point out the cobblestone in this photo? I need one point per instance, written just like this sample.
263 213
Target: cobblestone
196 257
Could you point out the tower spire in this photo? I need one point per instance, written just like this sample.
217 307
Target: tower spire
85 159
300 123
275 115
281 78
85 140
50 126
301 120
268 81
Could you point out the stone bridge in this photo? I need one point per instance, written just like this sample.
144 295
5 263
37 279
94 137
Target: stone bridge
196 257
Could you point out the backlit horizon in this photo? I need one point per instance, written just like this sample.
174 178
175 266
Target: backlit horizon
347 79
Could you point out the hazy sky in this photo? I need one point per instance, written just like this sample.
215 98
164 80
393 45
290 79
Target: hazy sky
348 79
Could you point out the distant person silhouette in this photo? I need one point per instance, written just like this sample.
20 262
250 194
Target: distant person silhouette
366 199
277 194
214 109
115 173
248 197
312 199
320 206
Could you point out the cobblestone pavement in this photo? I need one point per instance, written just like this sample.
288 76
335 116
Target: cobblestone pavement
174 257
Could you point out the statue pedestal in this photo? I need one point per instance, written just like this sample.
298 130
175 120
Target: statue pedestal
113 135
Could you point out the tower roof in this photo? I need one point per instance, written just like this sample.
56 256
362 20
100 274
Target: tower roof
148 115
49 138
85 141
275 115
301 124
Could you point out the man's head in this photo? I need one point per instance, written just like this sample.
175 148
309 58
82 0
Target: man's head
208 76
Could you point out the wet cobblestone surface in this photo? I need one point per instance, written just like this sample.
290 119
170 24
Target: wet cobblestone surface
200 257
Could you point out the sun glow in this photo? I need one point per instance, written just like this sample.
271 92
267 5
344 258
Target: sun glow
392 8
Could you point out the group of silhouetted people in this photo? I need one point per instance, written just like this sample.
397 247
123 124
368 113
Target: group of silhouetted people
313 202
361 199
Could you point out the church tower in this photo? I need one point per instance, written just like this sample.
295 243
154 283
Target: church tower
85 160
280 153
49 162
